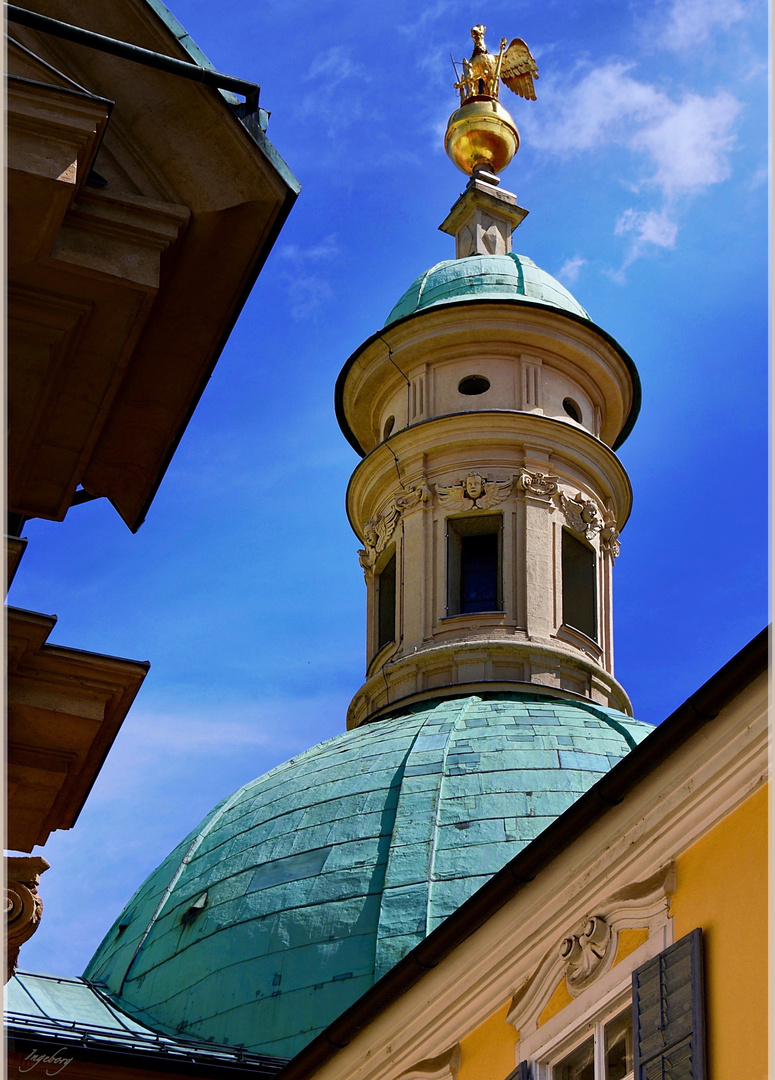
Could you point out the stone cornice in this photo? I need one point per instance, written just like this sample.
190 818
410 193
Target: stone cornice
435 333
507 434
65 708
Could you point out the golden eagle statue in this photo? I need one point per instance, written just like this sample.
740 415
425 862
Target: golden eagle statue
481 74
481 134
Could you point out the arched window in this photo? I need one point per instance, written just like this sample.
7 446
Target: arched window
579 589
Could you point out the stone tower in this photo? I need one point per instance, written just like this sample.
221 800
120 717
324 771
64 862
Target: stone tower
488 504
489 500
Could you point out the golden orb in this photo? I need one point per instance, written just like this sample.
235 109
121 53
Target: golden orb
480 134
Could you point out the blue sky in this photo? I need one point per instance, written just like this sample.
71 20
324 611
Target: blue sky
644 166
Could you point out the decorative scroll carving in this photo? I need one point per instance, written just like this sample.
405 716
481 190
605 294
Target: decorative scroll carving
23 906
538 483
587 952
444 1067
584 952
474 491
584 517
378 531
609 539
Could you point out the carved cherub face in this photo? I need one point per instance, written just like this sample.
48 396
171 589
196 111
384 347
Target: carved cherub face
474 486
589 513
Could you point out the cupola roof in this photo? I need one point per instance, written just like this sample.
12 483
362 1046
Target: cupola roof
300 890
485 277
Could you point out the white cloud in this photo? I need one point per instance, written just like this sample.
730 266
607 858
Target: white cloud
570 269
646 230
690 22
327 248
307 294
689 143
680 144
334 66
429 14
684 143
649 227
599 109
330 104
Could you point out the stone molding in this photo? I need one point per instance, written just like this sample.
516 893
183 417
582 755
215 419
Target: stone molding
508 330
430 671
510 447
23 905
444 1067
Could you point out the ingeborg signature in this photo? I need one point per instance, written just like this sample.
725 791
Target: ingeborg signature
35 1058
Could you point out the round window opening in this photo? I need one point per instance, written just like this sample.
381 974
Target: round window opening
474 384
572 409
389 425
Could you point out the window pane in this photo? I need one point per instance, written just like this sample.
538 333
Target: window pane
579 594
479 573
618 1047
386 604
579 1064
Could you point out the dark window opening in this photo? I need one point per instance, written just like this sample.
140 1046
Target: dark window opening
389 424
473 565
473 385
579 592
386 603
572 409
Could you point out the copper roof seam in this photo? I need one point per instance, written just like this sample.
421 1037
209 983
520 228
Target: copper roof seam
456 724
190 852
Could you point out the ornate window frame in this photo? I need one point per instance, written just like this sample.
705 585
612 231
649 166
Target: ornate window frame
598 987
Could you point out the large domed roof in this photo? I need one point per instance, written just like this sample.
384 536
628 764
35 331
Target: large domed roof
301 889
485 277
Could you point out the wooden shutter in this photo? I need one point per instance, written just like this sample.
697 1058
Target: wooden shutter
668 1013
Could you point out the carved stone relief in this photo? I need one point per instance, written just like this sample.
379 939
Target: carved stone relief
474 492
584 517
23 906
585 952
444 1067
538 483
588 950
378 531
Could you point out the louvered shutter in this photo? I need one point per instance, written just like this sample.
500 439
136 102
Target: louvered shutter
668 1013
523 1071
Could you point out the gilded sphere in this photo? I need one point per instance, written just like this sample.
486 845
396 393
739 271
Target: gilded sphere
481 133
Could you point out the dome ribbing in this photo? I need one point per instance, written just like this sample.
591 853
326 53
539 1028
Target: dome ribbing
304 887
485 277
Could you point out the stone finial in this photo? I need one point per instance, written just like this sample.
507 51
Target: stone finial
23 906
483 218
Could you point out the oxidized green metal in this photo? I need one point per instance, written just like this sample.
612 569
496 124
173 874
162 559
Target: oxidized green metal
485 277
304 887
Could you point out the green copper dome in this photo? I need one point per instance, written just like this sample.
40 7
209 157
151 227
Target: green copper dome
485 277
305 886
